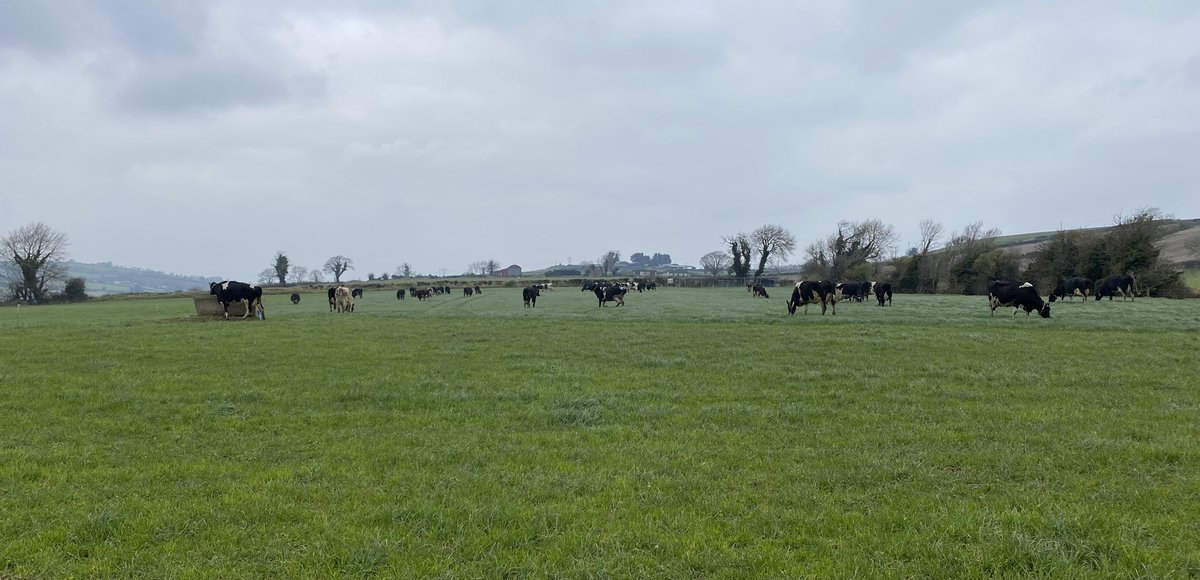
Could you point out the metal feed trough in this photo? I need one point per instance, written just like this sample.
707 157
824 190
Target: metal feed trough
208 306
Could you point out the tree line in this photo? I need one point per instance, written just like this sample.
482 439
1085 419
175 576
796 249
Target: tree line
33 258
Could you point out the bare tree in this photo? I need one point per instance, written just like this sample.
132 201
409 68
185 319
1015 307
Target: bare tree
33 256
476 268
266 276
931 231
298 274
490 267
337 266
853 246
315 276
772 242
715 262
608 262
281 267
404 271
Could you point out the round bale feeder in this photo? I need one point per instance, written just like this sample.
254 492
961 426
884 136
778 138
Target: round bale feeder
208 306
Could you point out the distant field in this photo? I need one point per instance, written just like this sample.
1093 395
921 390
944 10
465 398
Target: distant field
690 433
1192 277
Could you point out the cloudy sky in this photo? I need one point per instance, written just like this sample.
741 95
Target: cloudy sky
201 137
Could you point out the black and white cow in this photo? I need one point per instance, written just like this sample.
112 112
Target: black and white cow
229 291
467 291
760 291
1114 285
1070 288
606 294
810 292
883 292
851 291
332 302
423 293
295 298
400 294
478 291
1018 295
530 295
356 293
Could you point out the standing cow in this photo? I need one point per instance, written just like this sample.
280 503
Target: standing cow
810 292
1018 295
760 291
883 292
1114 285
344 299
606 294
530 295
229 291
295 298
400 294
332 302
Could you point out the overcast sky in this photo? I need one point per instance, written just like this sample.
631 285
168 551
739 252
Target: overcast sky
201 137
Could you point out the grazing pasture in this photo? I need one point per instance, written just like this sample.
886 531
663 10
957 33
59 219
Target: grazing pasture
690 433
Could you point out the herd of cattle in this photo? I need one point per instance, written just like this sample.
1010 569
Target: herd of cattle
1018 295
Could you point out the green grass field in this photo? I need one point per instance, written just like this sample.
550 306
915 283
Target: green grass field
690 433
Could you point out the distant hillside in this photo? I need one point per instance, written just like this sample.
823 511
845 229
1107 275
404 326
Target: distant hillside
1172 245
105 278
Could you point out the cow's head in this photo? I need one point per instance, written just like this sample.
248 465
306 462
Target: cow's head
1044 311
212 288
1053 297
791 305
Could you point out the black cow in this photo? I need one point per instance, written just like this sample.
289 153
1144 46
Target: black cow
423 293
400 294
478 291
883 292
530 295
1070 288
468 291
1018 295
759 291
652 285
810 292
356 293
332 302
295 298
229 291
1113 285
607 294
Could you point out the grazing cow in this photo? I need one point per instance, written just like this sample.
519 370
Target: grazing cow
400 294
468 291
423 293
229 291
652 285
850 291
607 294
810 292
1070 288
760 292
344 299
883 292
332 303
530 295
356 293
478 291
295 298
1113 285
1018 295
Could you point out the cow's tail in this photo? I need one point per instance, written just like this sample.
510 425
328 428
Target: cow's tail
258 306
